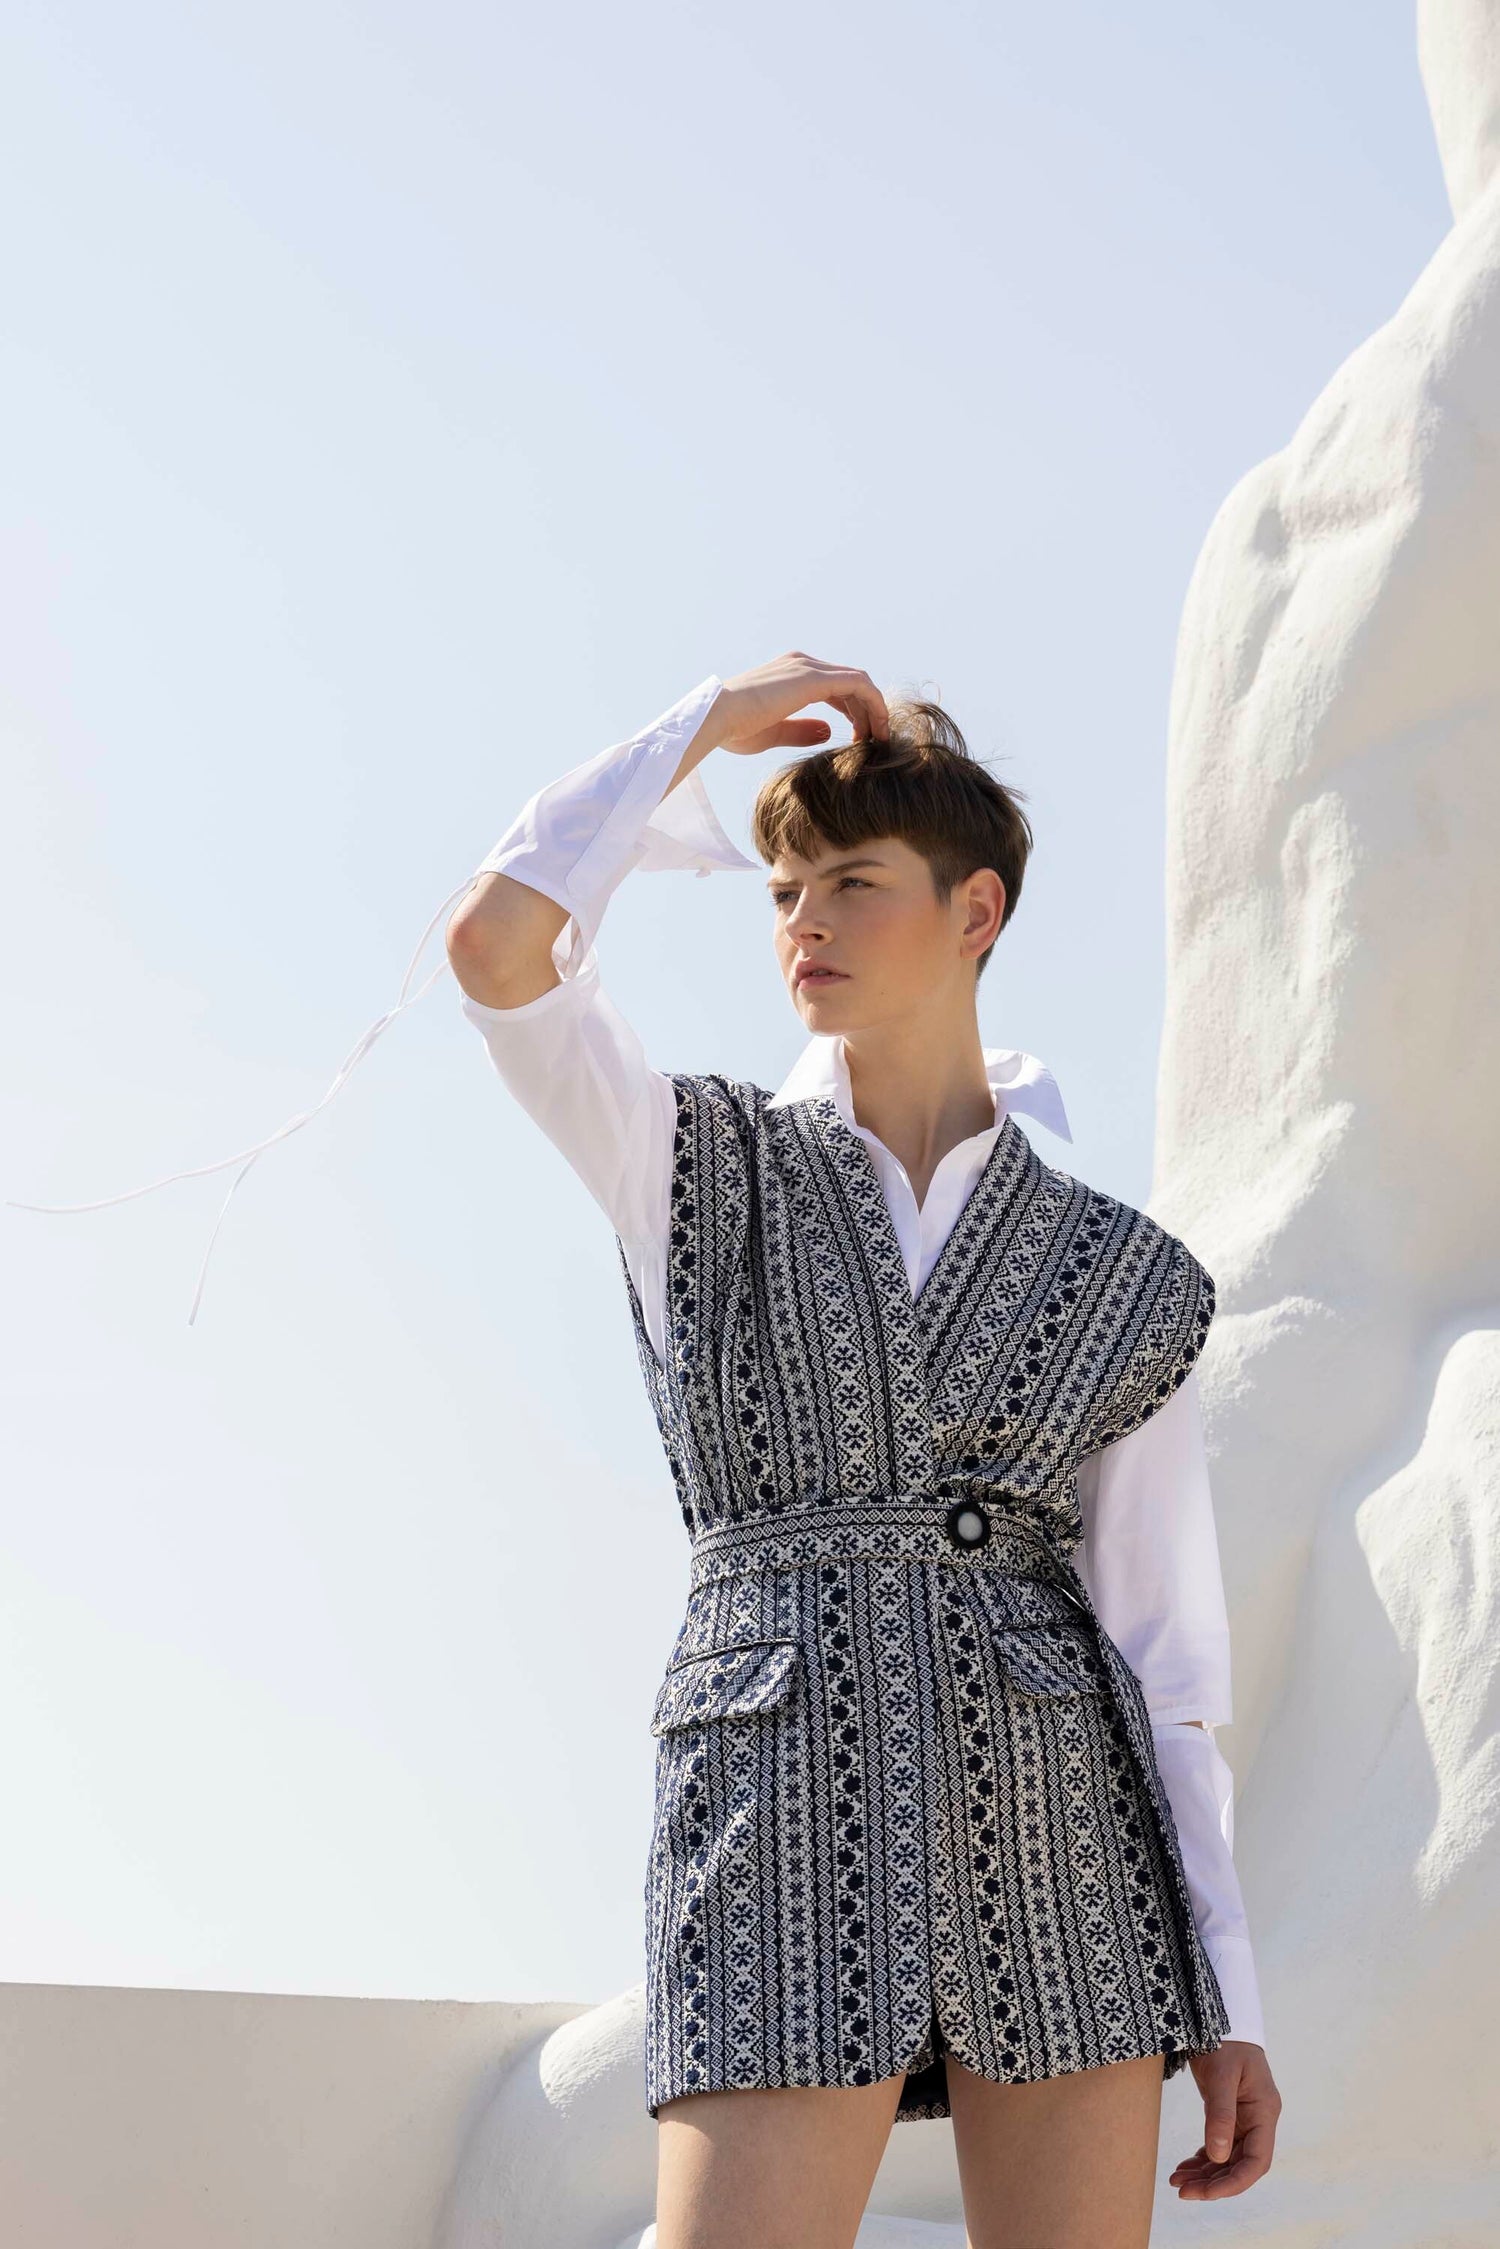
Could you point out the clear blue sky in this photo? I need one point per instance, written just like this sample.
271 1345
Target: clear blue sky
401 404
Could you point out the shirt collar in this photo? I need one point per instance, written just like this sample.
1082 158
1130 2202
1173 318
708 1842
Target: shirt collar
1018 1081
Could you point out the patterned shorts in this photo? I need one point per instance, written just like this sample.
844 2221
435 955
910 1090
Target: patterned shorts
901 1810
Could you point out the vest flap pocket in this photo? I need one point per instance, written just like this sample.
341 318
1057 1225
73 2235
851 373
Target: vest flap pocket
1052 1659
735 1681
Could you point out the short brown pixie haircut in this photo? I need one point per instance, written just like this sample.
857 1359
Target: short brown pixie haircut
923 786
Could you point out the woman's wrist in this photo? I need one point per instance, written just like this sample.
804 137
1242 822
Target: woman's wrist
714 726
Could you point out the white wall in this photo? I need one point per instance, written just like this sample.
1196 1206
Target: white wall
229 2120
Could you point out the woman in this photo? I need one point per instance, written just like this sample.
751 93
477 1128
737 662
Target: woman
936 1828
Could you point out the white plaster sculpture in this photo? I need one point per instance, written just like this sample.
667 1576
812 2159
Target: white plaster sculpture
1330 1083
1329 1129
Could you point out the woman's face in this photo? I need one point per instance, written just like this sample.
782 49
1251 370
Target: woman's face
866 924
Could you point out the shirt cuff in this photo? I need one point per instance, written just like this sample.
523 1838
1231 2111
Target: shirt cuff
1200 1788
1234 1965
576 839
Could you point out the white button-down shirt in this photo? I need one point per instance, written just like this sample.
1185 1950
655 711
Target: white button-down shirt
1150 1553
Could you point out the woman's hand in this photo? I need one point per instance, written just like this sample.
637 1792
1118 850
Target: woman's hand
1240 2108
753 711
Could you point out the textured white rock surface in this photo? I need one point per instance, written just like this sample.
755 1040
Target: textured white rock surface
1330 1081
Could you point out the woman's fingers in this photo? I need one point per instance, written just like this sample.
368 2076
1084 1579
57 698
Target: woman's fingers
1200 2179
786 734
852 693
759 706
860 701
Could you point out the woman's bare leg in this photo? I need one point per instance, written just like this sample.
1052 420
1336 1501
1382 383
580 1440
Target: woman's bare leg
775 2168
1066 2163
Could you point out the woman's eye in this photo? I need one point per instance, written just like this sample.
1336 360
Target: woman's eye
780 897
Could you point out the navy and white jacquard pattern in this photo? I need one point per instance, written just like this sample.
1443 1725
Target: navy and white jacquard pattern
906 1794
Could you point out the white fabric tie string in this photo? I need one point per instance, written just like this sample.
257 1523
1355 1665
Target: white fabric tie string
247 1157
592 854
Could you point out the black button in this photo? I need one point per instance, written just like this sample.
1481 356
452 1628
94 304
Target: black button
967 1523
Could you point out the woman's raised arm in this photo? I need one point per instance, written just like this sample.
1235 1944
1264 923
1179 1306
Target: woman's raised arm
564 1051
555 1037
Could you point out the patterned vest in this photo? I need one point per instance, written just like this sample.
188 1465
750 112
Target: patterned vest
799 1368
801 1375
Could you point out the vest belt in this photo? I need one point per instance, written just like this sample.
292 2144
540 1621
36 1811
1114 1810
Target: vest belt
964 1529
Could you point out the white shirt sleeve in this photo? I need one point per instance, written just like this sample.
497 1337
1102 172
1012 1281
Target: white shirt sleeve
578 837
569 1057
1200 1789
1150 1560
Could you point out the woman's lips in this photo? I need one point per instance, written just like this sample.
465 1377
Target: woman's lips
821 976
